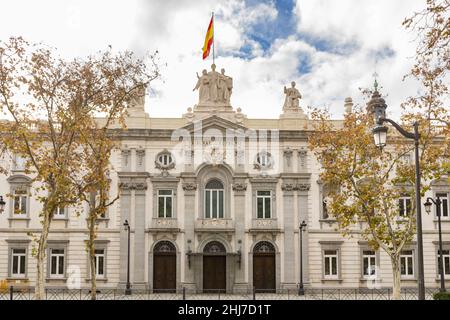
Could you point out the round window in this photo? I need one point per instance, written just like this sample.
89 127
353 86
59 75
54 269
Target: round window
165 160
264 160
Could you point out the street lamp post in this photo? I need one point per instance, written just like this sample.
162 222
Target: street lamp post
378 106
301 290
128 287
427 205
2 205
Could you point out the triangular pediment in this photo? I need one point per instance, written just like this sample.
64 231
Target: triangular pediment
213 122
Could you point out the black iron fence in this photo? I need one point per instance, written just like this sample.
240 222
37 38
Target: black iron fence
27 293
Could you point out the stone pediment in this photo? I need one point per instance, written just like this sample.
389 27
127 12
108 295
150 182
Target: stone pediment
214 122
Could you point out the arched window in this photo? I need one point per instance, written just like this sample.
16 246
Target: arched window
214 203
164 247
214 247
264 247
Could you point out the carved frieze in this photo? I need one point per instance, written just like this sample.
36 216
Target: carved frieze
240 187
139 185
303 186
189 186
288 187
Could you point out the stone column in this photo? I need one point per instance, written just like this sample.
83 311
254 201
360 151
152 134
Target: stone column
303 190
288 188
240 188
125 206
133 187
139 236
190 188
288 160
303 160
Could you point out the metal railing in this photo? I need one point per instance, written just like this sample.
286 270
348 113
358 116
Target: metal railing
27 293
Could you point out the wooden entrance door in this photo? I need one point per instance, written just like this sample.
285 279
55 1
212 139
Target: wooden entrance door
214 267
164 267
264 267
214 273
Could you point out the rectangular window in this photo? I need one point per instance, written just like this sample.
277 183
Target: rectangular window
444 204
220 204
20 202
57 257
207 205
369 263
18 262
165 203
60 213
446 257
404 206
407 263
95 199
100 263
331 264
214 204
263 204
19 163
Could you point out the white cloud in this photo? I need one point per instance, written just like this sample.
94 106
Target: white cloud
177 29
369 27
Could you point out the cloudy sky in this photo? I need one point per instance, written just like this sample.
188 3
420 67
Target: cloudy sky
329 47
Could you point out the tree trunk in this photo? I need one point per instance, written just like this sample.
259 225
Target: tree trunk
42 246
396 283
91 249
93 273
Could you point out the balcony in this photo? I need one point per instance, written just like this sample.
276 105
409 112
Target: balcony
207 225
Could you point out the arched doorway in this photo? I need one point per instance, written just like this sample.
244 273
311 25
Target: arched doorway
264 267
214 267
164 267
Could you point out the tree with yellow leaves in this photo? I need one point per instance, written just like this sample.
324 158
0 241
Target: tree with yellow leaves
50 103
370 180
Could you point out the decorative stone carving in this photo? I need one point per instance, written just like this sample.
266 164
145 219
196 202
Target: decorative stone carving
263 161
348 105
291 107
239 117
214 88
158 223
293 97
288 187
140 154
240 187
132 185
138 97
288 155
266 224
164 162
215 223
126 159
303 155
140 186
189 116
189 186
214 155
303 187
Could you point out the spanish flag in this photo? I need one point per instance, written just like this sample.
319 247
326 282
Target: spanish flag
209 39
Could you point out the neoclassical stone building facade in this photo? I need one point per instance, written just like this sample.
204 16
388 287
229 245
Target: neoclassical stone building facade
214 201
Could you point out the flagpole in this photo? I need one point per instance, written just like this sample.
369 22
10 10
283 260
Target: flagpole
214 40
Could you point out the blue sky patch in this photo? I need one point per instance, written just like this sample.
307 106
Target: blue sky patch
266 32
